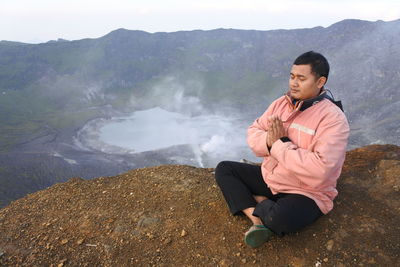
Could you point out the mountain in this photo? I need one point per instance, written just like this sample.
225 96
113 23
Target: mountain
234 68
176 215
50 91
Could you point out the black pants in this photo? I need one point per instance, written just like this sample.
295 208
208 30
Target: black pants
282 213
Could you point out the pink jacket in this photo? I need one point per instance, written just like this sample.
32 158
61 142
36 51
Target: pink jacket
311 162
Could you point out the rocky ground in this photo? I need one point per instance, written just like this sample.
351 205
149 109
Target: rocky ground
175 215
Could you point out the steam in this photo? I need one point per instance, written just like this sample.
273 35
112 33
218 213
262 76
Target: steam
172 94
198 154
213 144
171 118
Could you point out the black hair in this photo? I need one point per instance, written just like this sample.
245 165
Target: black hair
319 64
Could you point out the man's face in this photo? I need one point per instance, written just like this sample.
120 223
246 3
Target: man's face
303 83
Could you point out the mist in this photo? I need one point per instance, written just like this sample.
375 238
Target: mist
171 120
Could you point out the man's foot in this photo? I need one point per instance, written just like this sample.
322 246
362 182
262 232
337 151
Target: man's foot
257 235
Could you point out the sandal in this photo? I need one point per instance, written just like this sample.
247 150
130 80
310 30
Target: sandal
257 235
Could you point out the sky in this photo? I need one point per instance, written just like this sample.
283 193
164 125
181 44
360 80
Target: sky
35 21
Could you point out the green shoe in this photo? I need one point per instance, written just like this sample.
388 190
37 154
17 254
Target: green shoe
257 235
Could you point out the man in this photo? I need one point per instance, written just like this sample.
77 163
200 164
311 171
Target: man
302 138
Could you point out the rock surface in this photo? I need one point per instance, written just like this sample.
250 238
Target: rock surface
176 215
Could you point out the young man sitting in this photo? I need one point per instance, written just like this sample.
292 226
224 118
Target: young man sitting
302 137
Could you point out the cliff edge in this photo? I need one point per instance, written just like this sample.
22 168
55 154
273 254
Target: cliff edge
176 215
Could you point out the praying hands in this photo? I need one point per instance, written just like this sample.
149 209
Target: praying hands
275 130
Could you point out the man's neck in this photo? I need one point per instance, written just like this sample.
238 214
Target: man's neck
294 100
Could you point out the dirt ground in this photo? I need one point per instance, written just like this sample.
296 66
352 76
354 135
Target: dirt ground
176 216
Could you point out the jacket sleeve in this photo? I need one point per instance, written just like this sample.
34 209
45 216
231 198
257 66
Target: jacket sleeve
257 133
325 157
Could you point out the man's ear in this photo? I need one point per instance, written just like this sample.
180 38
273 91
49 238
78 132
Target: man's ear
321 82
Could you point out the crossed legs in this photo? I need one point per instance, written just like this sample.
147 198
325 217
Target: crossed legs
246 192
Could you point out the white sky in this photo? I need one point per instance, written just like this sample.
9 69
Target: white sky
42 20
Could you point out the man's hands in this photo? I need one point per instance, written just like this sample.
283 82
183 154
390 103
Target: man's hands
275 130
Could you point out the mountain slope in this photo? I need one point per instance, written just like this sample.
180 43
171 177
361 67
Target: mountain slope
175 215
232 68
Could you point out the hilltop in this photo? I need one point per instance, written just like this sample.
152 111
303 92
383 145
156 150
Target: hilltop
175 215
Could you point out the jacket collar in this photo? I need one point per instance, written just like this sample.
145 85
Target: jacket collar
302 105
